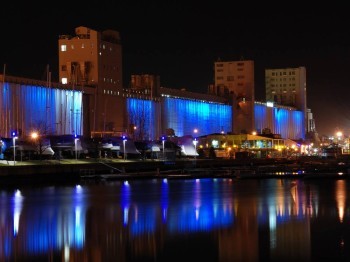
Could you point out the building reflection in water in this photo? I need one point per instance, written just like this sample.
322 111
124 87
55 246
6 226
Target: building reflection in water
244 220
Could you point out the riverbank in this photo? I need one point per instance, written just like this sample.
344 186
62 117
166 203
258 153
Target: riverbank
75 171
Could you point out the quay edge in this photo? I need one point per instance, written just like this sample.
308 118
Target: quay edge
63 172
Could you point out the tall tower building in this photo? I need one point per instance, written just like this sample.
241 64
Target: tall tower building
287 86
236 80
94 59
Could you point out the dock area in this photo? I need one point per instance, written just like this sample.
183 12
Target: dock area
75 171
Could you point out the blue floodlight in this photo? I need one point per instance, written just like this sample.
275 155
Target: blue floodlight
124 138
163 138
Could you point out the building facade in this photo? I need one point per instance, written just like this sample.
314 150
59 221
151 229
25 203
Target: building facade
94 59
235 79
90 100
287 87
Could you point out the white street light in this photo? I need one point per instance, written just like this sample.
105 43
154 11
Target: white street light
163 141
124 141
195 141
76 147
14 137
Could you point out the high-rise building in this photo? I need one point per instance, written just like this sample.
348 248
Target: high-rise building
287 87
94 59
235 79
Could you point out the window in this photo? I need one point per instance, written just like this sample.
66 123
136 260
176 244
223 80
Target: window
63 48
64 80
64 68
219 65
230 78
72 46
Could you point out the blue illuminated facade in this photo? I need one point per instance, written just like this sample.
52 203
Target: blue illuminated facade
184 115
29 107
287 122
142 114
26 107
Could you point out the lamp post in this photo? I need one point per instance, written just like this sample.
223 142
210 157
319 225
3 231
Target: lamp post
124 141
35 136
195 141
76 147
163 141
14 137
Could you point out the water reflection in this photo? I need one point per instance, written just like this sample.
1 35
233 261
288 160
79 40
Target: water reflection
212 219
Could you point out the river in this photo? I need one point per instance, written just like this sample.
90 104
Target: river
209 219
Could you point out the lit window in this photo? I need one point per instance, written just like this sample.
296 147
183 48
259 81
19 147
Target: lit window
63 48
82 45
72 46
64 80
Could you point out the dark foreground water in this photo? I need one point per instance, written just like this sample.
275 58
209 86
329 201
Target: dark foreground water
178 220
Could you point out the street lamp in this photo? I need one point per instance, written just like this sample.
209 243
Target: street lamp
195 141
76 147
163 141
14 137
124 141
35 136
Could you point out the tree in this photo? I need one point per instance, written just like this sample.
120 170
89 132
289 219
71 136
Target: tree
138 116
40 142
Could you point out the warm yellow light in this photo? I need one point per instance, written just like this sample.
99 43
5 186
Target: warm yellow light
34 135
254 133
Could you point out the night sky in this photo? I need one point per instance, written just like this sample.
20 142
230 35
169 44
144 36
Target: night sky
180 42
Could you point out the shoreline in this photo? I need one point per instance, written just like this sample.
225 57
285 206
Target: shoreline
75 171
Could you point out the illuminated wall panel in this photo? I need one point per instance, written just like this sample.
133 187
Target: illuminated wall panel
184 115
141 114
287 123
27 107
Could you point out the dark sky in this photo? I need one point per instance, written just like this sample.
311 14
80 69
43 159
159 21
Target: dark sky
180 41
